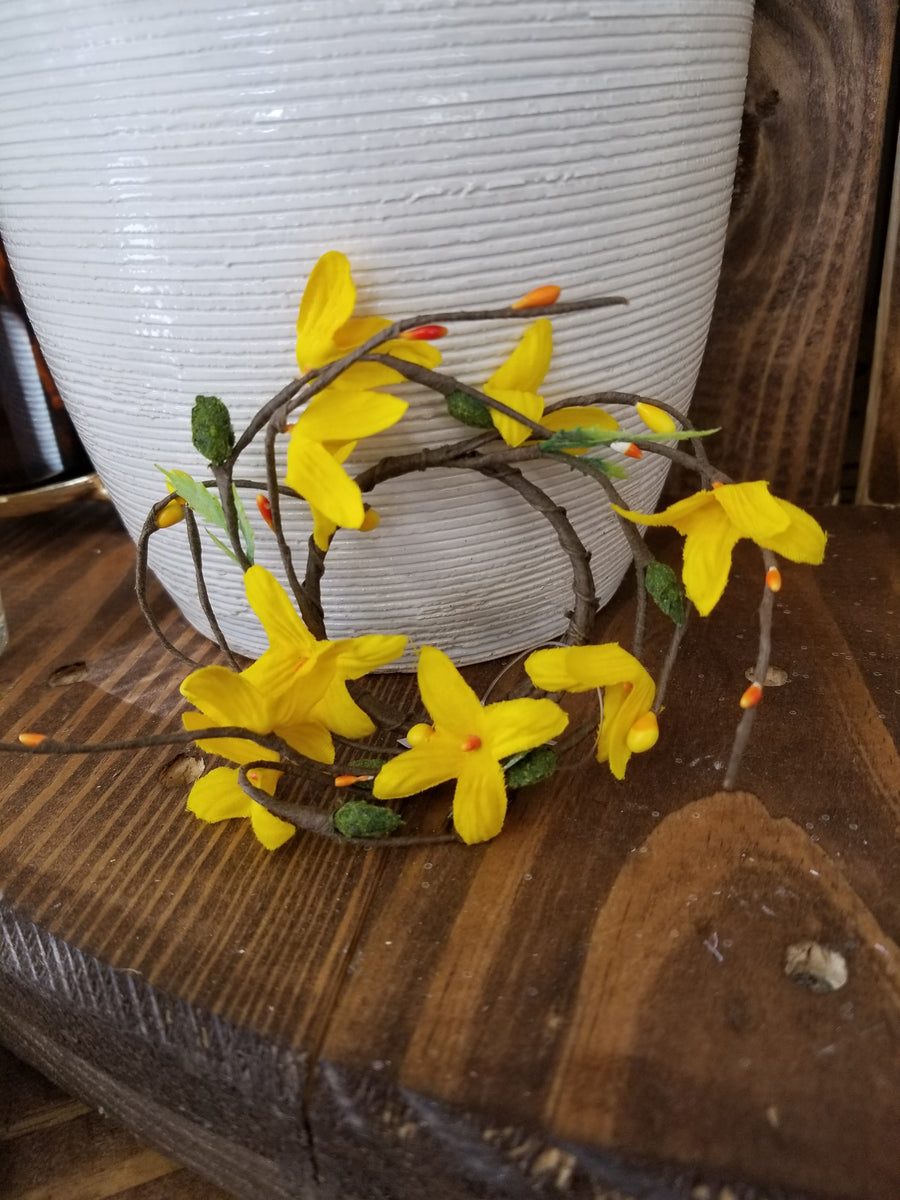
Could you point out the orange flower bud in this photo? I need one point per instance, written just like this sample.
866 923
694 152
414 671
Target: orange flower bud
752 696
424 333
629 449
472 742
265 509
32 739
342 781
773 579
370 521
539 297
171 514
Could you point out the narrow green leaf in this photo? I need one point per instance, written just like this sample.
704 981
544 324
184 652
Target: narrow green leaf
244 525
358 818
226 549
584 439
204 503
663 585
211 429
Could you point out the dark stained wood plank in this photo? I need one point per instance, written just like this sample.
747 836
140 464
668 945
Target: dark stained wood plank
879 475
474 1022
778 371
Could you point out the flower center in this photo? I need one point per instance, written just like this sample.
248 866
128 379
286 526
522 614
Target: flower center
472 742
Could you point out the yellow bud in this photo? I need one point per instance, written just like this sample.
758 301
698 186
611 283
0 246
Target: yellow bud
643 734
171 514
419 734
654 418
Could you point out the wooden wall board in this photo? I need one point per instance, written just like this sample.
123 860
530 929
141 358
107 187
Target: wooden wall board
779 367
879 477
593 1004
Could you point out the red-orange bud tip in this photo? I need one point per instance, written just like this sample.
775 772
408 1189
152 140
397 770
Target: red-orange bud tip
349 780
265 509
472 742
629 449
752 696
253 776
32 739
539 297
773 579
424 333
718 483
371 521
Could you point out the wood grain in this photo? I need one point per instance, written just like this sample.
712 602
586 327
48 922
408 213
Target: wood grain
778 370
593 1004
879 475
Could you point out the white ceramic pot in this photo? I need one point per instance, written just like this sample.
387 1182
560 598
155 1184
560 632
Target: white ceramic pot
170 173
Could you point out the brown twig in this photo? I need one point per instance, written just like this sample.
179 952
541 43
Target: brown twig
745 725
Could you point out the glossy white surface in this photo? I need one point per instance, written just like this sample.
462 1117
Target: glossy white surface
170 173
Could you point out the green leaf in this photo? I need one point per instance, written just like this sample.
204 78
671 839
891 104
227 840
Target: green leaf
226 549
243 524
470 411
195 494
533 767
366 764
358 818
663 585
211 429
584 439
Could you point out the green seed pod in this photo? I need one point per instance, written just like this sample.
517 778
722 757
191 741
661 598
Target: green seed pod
358 818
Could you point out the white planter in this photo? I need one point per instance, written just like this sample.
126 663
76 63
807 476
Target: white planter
170 173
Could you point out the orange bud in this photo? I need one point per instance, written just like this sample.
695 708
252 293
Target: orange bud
539 297
370 521
424 333
265 509
752 696
32 739
629 449
773 579
718 483
349 780
171 514
472 742
253 776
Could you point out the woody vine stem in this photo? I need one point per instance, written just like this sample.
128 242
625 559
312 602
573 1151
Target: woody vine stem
302 710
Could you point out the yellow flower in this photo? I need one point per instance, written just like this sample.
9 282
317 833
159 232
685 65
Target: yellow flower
628 726
277 673
327 329
219 797
714 521
515 384
323 437
467 743
227 698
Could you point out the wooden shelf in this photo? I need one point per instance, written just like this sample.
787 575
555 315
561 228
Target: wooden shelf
594 1004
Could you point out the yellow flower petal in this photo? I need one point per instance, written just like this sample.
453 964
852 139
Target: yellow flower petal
370 651
311 738
526 367
675 515
453 705
582 668
341 714
276 613
752 509
348 416
269 829
587 417
707 558
217 796
479 802
239 750
516 725
425 766
514 433
313 473
328 302
227 698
